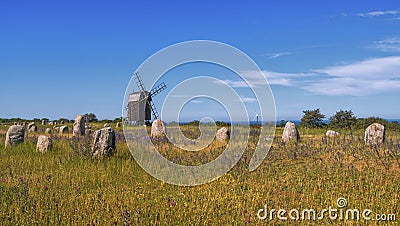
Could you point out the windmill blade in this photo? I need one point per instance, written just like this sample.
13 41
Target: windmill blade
153 109
157 89
139 82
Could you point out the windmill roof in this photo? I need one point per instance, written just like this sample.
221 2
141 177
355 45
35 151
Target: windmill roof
137 96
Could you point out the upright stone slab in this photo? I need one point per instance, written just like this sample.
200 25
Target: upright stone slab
374 134
290 133
79 126
222 134
32 127
331 133
106 125
63 129
119 124
103 142
48 131
44 122
44 143
157 128
15 135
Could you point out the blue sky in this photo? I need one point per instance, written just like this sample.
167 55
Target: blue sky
62 58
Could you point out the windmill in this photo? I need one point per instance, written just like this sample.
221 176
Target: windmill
140 105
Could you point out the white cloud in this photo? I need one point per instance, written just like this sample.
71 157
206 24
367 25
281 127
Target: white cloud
379 13
276 55
388 45
248 99
360 78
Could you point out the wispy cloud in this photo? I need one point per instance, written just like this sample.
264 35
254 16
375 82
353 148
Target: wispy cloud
388 45
276 55
379 13
361 78
248 99
258 78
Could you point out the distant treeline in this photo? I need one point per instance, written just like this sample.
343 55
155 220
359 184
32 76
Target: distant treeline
90 117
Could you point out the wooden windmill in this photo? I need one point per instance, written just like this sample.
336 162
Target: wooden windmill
140 104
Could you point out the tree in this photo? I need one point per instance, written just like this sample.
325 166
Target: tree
312 118
342 119
90 117
282 123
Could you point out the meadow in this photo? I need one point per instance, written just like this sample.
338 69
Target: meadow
65 186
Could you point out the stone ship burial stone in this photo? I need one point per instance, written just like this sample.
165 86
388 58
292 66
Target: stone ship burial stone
157 129
15 135
331 133
44 143
79 126
32 127
103 142
374 134
48 131
290 133
222 134
63 129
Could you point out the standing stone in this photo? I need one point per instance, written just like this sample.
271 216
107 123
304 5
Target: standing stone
48 131
104 142
32 127
222 134
374 134
106 125
79 126
157 128
331 133
119 124
51 123
44 143
44 122
290 133
63 129
15 135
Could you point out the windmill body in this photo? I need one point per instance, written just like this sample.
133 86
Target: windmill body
140 105
139 109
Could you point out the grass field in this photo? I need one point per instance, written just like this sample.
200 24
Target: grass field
65 187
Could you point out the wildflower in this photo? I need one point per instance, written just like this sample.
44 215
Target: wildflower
46 187
172 203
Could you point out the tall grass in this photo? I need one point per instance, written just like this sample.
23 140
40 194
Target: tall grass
64 186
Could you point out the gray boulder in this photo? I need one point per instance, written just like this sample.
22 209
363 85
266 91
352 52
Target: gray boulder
44 143
331 133
79 126
374 134
103 142
15 135
222 134
63 129
290 133
32 127
157 128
